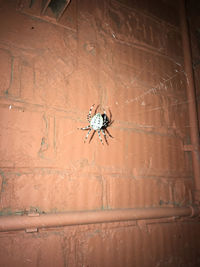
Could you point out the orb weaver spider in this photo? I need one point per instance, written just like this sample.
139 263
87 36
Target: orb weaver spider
99 123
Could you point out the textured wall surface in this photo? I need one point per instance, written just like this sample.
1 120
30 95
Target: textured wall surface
194 23
125 56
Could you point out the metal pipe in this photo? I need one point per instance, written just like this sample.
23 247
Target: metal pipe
192 106
25 222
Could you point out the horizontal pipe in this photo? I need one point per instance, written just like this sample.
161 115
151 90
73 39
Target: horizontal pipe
9 223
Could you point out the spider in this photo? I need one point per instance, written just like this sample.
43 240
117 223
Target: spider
99 122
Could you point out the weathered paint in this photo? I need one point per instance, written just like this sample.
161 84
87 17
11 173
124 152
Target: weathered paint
123 55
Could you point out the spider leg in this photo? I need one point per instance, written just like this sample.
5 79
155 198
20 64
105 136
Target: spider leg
110 123
110 119
100 137
96 109
85 128
89 114
108 133
92 136
87 135
104 136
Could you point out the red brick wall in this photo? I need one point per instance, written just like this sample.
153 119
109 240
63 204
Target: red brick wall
127 57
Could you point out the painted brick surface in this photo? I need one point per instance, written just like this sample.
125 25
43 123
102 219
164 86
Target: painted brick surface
50 191
127 57
131 241
21 134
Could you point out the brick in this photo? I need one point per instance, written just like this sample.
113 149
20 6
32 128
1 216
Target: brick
124 192
27 80
44 36
183 193
83 90
143 109
21 135
126 56
87 43
111 158
52 90
143 154
144 87
30 255
71 151
91 8
126 251
14 88
39 75
50 191
48 141
153 154
140 66
5 70
131 26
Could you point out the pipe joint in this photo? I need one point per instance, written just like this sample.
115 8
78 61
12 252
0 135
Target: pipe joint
191 148
195 211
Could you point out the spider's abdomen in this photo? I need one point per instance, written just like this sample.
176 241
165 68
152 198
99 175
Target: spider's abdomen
96 122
